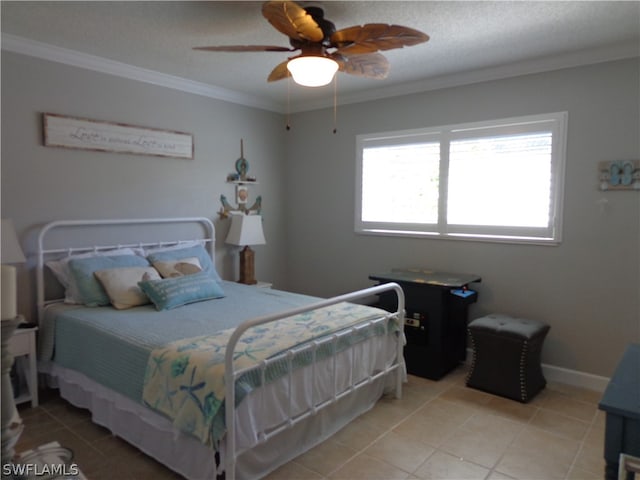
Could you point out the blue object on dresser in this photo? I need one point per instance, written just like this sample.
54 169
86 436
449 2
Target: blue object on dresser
621 402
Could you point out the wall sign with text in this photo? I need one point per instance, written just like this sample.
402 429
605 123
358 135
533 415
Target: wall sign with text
82 133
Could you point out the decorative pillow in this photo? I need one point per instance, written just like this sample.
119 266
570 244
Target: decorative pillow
60 269
121 285
178 268
180 253
170 293
90 292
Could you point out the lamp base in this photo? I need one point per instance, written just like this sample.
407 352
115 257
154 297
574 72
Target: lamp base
247 266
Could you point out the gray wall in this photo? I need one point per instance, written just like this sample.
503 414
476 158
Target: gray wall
41 184
587 288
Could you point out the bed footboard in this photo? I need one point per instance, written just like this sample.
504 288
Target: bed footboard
339 392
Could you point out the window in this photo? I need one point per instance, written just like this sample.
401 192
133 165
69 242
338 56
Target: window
499 180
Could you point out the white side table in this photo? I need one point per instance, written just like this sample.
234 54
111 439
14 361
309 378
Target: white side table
23 348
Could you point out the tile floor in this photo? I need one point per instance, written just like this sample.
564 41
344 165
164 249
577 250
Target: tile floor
438 430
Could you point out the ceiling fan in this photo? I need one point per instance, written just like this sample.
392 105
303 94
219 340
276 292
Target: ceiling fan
352 50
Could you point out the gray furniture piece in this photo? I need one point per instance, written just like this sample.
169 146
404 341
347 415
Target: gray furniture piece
506 356
621 403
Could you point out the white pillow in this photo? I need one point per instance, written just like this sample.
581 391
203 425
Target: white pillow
60 269
121 285
178 268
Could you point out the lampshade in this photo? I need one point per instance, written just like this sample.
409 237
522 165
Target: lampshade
312 71
246 230
11 251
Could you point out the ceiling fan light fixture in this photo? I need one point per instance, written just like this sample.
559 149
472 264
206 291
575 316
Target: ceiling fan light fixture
312 70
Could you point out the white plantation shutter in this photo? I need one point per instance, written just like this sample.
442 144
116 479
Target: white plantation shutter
499 180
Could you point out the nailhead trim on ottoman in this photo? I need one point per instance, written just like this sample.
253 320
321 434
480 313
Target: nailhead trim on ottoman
506 356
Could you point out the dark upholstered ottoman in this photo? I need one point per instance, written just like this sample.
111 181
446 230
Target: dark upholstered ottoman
506 356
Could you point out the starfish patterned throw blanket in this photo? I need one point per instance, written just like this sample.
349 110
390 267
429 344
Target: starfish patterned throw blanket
184 380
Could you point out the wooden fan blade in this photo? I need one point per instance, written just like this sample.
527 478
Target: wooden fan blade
279 73
372 37
245 48
292 20
370 65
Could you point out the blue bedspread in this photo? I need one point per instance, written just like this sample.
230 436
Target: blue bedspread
126 338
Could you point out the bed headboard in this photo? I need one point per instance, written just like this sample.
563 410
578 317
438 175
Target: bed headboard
133 233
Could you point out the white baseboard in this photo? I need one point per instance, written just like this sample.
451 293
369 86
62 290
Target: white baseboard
575 378
566 376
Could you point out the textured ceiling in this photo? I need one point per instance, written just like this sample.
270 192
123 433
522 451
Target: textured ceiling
469 40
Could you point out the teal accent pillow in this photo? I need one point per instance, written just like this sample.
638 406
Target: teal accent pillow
174 292
90 291
197 251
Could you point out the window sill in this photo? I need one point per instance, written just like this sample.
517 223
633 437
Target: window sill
464 237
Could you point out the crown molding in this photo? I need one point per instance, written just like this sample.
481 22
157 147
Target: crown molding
25 46
619 51
44 51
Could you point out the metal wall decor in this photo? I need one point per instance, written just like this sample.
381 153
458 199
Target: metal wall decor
242 181
85 134
619 175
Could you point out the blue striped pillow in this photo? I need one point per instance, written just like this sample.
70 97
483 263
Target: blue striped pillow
174 292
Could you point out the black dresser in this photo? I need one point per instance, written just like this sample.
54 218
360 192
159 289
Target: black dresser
436 320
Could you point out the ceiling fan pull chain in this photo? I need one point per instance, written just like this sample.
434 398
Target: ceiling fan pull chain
288 126
335 104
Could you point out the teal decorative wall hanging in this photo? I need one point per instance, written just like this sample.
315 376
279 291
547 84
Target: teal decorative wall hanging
242 180
619 175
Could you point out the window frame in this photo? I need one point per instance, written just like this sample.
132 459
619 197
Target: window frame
556 123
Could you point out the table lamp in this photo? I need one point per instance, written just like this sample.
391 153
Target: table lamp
246 230
11 424
10 253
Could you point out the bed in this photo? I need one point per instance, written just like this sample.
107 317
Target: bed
151 365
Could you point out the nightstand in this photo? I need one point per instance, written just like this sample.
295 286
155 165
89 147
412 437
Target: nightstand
23 348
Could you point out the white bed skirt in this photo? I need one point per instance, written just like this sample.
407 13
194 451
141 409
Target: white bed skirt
154 434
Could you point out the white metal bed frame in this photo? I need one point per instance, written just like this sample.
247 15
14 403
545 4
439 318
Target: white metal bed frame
314 406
